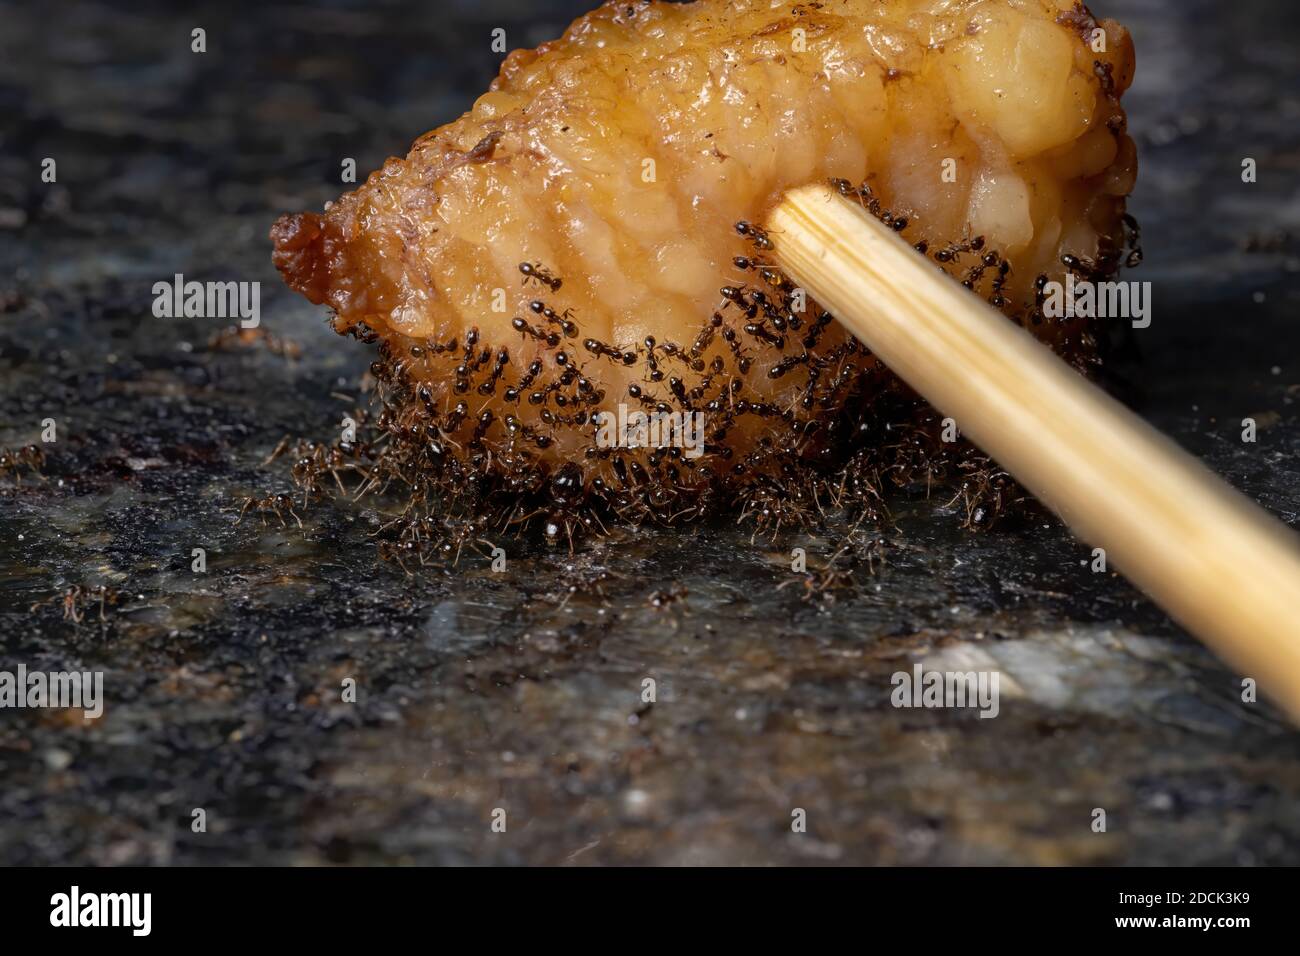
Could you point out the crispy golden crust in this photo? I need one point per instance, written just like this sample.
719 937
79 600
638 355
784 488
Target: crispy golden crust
549 165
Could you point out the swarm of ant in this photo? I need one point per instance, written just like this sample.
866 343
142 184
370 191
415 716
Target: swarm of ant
838 573
849 433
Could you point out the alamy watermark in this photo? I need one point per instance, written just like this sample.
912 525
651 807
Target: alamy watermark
83 690
638 429
130 910
209 300
933 688
1100 300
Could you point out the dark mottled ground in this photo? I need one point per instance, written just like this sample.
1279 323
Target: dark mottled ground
522 690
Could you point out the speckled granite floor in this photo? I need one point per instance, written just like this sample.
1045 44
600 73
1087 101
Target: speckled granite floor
522 690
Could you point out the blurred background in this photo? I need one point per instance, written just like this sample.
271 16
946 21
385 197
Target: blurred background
522 691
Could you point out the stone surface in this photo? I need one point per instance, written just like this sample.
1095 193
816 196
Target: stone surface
522 690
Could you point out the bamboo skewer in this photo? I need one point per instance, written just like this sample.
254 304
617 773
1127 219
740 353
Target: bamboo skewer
1217 563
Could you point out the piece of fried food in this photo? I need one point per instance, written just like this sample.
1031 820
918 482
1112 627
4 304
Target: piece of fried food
569 244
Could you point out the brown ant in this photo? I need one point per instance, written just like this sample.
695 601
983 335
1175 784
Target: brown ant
31 457
822 585
667 598
238 336
270 504
315 460
77 598
982 493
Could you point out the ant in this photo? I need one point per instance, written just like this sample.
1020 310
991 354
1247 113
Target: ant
755 234
869 202
317 459
535 270
597 347
950 252
273 504
30 457
489 386
983 494
562 319
75 597
78 597
663 599
237 336
552 339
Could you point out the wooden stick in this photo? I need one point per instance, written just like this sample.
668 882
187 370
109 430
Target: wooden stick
1218 564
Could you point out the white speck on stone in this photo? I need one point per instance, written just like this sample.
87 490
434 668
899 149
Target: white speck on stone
636 804
57 759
